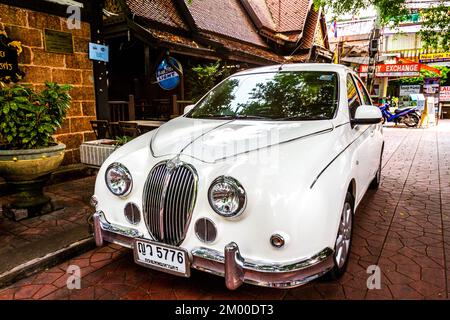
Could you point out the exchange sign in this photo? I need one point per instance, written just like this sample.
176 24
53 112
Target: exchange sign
393 70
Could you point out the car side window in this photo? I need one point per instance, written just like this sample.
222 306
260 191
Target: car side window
352 97
365 96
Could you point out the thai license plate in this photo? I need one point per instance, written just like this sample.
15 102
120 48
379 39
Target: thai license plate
162 257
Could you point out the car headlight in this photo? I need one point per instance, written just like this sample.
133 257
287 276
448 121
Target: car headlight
227 197
118 179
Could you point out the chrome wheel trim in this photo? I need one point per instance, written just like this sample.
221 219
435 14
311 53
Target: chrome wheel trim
342 246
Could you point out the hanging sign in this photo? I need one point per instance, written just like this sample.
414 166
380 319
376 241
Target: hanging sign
9 59
393 70
98 52
168 73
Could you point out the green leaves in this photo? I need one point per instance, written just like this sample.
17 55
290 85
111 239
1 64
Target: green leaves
203 77
29 119
389 11
435 31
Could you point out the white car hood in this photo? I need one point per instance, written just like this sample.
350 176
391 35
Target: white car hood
213 140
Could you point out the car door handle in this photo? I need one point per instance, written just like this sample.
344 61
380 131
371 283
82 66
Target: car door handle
372 132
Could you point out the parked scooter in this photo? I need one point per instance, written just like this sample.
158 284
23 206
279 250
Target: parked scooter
408 116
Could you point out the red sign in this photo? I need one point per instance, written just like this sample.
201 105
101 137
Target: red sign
393 70
444 94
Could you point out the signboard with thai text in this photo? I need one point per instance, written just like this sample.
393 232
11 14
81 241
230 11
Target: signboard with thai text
434 57
406 90
9 59
58 41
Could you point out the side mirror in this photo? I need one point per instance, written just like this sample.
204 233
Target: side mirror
188 108
367 114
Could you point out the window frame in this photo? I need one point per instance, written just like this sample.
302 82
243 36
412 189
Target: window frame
338 89
358 79
349 74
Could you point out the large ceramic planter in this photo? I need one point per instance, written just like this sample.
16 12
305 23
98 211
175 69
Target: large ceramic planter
26 172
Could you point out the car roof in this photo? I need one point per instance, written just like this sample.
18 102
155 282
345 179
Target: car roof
297 67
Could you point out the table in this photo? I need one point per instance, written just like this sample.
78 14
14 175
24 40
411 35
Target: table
147 123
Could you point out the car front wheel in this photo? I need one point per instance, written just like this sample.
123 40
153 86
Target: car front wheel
344 239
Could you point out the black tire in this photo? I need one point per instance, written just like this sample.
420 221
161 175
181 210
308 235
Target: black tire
411 120
340 265
375 184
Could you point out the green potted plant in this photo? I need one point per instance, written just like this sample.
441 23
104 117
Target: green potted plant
28 152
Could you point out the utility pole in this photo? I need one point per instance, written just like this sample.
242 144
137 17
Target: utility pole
374 44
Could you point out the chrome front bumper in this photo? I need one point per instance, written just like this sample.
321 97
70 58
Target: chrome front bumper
230 264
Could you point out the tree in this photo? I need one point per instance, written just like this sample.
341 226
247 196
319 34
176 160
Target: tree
435 31
388 10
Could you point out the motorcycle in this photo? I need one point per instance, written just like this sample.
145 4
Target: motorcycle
407 116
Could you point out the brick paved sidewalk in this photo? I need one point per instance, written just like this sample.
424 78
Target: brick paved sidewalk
404 228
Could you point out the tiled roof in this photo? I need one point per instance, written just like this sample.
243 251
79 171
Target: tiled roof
240 26
310 29
280 15
225 17
288 15
242 48
160 11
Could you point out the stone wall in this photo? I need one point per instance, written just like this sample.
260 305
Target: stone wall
40 66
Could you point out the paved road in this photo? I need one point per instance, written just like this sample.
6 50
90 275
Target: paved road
404 228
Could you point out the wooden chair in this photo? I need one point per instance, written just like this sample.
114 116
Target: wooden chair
101 129
162 107
129 129
145 129
178 106
122 110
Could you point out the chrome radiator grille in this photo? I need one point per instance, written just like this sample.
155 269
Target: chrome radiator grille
168 201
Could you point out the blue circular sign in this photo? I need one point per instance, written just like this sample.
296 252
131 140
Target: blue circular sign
167 74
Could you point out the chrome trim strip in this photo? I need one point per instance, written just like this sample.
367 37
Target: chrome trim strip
123 231
260 266
231 264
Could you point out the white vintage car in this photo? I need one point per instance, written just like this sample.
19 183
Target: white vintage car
258 182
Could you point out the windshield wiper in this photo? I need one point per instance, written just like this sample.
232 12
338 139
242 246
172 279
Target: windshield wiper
244 116
299 119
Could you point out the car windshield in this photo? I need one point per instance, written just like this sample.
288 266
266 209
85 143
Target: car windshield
301 95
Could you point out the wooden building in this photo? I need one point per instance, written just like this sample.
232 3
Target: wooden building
140 35
238 33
